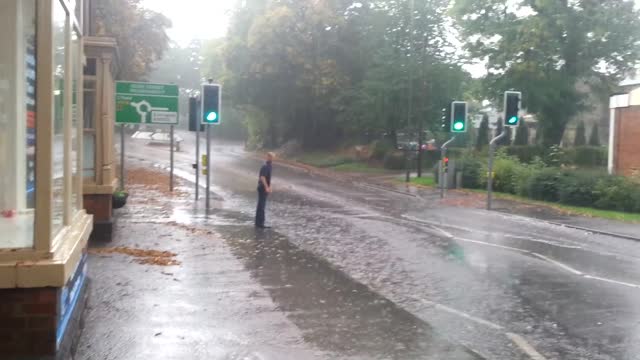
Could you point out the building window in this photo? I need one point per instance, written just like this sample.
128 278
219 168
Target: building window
89 115
60 31
76 182
17 123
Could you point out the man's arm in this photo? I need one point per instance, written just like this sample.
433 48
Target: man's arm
267 188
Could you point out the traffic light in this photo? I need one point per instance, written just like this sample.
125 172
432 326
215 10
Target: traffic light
210 114
459 117
194 109
512 108
446 117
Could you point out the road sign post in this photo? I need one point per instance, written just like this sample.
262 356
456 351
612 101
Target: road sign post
146 103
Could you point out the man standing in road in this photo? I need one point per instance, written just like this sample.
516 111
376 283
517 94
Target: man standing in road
264 189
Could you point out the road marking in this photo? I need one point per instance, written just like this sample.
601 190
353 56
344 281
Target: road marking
525 346
463 314
518 340
612 281
558 264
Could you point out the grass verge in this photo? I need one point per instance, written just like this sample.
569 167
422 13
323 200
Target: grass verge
574 210
424 181
359 167
322 159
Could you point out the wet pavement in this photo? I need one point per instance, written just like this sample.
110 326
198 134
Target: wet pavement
507 287
234 293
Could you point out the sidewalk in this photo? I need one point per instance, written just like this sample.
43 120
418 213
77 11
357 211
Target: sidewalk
164 291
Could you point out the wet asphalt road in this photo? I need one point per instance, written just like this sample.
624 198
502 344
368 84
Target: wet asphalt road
505 286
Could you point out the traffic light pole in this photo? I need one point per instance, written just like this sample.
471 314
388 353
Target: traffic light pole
208 195
492 149
197 166
443 172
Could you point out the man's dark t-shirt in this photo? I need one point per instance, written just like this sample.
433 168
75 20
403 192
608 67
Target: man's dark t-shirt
265 171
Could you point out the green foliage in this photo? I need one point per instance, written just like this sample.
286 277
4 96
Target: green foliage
506 170
141 35
483 133
554 156
594 138
325 71
586 156
543 185
617 193
473 171
581 137
577 188
546 53
522 134
394 160
526 154
257 125
552 184
424 181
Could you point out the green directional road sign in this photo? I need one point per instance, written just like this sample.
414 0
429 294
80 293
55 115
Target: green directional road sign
146 103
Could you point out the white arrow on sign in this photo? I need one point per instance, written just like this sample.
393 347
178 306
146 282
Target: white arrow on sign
140 108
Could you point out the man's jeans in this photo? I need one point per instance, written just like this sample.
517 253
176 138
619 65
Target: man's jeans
262 203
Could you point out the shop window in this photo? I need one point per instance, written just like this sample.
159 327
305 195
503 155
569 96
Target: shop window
60 31
17 123
76 53
88 119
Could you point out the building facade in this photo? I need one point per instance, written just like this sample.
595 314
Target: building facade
624 134
43 227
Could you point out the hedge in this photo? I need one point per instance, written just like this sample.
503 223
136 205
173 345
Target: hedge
553 184
582 156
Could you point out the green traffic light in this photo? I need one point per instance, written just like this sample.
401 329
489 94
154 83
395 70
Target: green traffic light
212 116
458 126
513 120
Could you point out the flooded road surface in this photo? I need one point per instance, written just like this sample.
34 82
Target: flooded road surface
507 287
231 292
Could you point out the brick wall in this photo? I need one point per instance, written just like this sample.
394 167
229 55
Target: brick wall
101 207
28 319
627 146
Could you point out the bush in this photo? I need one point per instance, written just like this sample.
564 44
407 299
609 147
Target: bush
527 153
380 149
506 170
543 185
617 193
586 156
394 160
577 188
472 172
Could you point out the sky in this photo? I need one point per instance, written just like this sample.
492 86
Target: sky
194 19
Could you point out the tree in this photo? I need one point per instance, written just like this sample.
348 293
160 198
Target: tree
522 134
545 48
323 71
140 34
581 138
594 138
483 133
